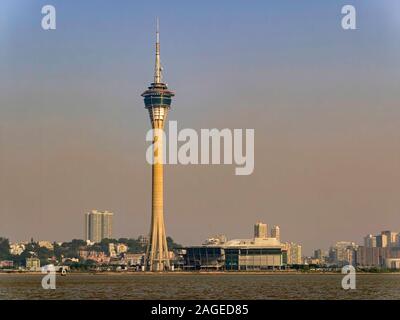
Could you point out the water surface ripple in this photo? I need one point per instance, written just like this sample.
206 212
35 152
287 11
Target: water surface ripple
200 286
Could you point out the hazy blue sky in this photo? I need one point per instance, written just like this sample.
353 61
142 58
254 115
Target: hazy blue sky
324 103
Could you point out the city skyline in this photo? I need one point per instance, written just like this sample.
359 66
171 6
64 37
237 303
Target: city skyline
386 238
323 103
381 251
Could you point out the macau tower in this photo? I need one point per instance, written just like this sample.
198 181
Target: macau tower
157 100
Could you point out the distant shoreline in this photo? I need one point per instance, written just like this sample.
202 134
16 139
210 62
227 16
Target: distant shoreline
191 273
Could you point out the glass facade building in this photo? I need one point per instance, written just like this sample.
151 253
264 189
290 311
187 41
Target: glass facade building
242 258
205 257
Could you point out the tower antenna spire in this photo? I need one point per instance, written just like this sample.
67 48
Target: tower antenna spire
157 67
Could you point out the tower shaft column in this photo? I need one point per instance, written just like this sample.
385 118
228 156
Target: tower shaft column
157 253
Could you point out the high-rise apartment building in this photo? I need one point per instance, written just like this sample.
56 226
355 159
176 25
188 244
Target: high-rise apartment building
98 225
276 233
391 238
260 230
370 241
344 253
32 263
320 254
293 253
381 240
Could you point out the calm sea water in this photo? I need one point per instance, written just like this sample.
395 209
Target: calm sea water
200 286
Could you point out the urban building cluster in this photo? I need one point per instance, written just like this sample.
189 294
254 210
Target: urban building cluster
108 254
264 251
377 251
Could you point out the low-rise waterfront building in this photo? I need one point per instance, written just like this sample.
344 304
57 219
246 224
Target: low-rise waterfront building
259 253
32 264
144 241
6 264
69 260
392 263
112 250
121 248
99 257
133 259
